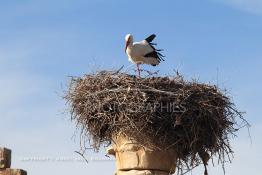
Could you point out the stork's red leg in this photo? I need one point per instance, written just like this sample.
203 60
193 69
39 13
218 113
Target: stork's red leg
138 69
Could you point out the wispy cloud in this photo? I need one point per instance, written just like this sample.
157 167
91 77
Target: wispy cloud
252 6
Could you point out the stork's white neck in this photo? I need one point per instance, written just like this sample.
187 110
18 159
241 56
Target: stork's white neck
131 41
130 44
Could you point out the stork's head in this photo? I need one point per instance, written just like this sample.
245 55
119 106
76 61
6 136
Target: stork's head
129 40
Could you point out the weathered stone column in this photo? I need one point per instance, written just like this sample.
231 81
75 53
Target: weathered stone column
5 164
5 158
134 159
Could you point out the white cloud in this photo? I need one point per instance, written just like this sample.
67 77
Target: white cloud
252 6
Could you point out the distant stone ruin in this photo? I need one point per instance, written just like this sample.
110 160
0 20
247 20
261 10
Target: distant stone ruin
5 164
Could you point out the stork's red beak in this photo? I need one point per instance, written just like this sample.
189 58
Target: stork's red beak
127 43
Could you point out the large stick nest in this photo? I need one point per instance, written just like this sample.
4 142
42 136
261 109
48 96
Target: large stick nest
195 119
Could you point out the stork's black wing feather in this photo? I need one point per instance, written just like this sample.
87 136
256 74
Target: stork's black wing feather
150 38
156 52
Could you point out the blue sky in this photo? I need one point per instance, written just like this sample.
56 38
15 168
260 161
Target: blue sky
44 42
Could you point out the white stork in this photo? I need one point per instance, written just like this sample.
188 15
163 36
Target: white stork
143 52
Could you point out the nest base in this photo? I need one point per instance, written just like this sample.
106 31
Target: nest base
195 119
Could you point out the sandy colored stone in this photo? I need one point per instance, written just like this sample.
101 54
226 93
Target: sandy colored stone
132 156
5 158
142 172
13 172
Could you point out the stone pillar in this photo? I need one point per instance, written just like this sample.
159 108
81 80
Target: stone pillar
5 164
5 158
134 159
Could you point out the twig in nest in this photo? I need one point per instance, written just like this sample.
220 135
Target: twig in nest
118 70
82 155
